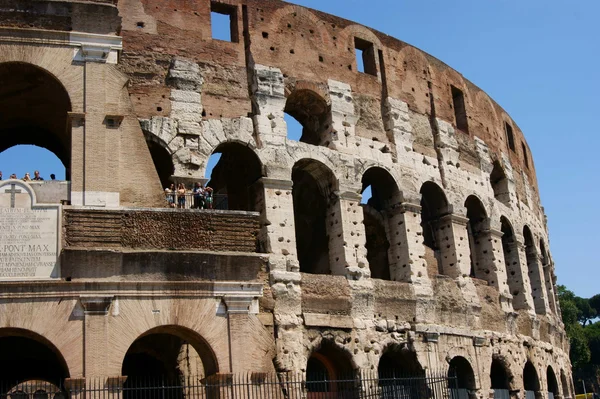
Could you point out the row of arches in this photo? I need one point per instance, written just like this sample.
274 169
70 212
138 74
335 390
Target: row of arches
397 363
239 170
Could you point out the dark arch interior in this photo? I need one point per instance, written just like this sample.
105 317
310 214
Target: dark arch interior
511 258
552 382
565 384
35 109
313 185
311 111
531 381
162 162
499 183
26 356
461 374
384 196
476 226
235 175
399 362
499 376
433 206
168 353
328 363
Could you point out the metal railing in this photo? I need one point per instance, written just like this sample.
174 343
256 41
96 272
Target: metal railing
190 201
363 385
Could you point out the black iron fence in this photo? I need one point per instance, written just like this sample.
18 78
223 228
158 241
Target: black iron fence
363 385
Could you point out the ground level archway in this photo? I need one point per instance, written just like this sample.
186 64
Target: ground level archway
326 369
27 356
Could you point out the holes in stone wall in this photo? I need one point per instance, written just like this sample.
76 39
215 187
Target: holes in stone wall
510 138
365 56
460 110
223 21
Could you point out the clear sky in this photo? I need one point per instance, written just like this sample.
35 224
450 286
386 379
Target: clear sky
538 59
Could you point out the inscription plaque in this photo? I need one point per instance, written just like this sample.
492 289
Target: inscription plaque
29 234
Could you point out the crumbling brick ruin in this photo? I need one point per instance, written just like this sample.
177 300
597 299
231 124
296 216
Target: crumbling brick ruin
446 266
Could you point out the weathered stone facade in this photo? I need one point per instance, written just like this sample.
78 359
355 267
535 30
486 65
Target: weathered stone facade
448 259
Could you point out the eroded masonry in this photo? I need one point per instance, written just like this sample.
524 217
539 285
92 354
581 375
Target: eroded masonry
445 267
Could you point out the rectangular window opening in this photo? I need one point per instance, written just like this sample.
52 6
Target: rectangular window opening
223 22
525 156
365 56
510 138
460 111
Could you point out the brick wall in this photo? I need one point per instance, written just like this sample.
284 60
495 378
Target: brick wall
161 229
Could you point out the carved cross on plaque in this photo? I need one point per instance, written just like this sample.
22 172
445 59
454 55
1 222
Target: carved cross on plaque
12 192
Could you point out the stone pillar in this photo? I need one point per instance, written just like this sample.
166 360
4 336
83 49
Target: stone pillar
268 99
517 272
406 253
453 241
346 231
96 346
491 264
549 280
343 118
77 161
536 278
398 128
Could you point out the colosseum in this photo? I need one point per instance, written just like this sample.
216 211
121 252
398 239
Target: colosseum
400 233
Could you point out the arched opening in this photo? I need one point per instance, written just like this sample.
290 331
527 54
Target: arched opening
551 382
499 183
35 108
234 177
512 262
170 354
162 159
531 382
311 111
500 380
400 374
312 192
548 276
27 356
535 276
377 211
329 371
461 378
482 261
434 205
566 392
22 159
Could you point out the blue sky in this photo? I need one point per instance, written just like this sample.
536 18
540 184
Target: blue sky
538 59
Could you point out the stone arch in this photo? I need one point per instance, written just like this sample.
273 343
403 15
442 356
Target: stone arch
36 108
26 355
313 111
313 192
397 361
514 274
434 205
500 183
235 176
162 156
461 375
478 231
534 270
551 383
304 13
500 375
326 365
377 215
158 351
531 381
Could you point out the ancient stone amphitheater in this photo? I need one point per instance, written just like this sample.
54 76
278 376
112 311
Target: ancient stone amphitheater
445 267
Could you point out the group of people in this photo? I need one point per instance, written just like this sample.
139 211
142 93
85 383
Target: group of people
202 196
27 177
